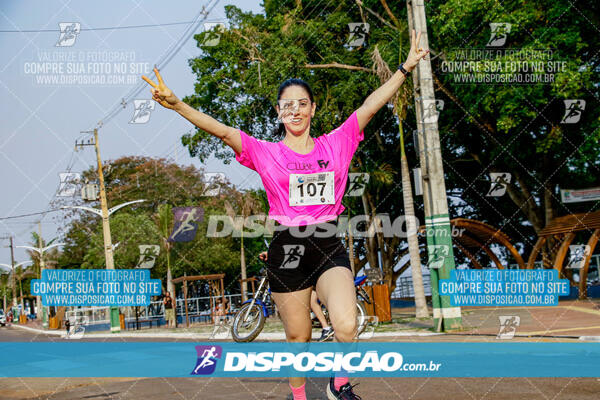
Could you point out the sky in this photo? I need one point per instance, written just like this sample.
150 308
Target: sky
43 114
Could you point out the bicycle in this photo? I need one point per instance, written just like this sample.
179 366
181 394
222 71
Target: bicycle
252 314
250 319
361 316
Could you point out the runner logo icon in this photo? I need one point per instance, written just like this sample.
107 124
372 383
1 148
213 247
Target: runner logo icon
148 254
438 253
508 326
499 33
207 359
579 253
573 109
500 181
292 255
69 182
358 183
431 110
68 33
358 33
142 110
213 33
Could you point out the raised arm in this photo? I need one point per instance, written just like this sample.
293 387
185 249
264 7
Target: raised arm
165 97
384 93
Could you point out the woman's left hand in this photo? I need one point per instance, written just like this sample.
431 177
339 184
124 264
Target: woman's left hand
416 53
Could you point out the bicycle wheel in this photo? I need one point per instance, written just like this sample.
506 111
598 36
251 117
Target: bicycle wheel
246 330
361 318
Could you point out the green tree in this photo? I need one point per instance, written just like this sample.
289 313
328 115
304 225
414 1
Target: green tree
511 128
128 231
239 206
22 273
5 289
48 257
517 128
164 185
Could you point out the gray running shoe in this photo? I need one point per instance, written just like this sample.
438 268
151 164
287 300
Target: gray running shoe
326 334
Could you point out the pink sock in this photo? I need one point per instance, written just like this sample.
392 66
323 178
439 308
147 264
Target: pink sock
339 382
299 392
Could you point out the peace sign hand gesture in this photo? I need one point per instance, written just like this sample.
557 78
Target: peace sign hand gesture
161 93
415 53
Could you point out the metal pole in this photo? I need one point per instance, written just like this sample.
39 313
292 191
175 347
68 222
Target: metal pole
115 323
185 291
437 219
41 308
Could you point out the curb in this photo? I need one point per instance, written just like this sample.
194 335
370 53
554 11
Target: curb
35 330
267 335
590 338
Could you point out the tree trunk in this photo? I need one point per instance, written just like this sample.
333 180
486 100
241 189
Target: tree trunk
548 206
21 292
170 285
551 245
370 243
351 246
413 243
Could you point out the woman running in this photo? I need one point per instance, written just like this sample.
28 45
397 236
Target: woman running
304 178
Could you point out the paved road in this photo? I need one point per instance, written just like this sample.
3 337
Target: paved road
277 388
260 388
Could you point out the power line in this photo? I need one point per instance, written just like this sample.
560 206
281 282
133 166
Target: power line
29 215
162 62
107 28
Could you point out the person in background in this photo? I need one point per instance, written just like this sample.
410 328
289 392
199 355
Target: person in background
169 312
67 325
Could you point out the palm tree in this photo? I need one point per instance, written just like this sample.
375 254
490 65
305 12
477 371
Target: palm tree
399 101
4 287
40 257
242 204
381 177
164 221
20 274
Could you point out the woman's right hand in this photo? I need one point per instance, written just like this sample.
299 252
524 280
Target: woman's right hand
263 256
161 93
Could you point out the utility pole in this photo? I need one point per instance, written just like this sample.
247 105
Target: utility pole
12 263
445 316
115 323
105 213
108 251
42 266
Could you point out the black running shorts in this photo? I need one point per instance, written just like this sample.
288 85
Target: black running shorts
299 255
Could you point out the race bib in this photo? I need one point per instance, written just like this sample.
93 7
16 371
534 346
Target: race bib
312 189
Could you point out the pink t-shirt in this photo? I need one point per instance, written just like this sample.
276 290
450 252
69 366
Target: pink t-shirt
274 162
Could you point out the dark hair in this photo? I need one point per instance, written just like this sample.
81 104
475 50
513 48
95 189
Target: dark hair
280 131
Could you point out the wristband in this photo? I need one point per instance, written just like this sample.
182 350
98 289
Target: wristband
404 71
